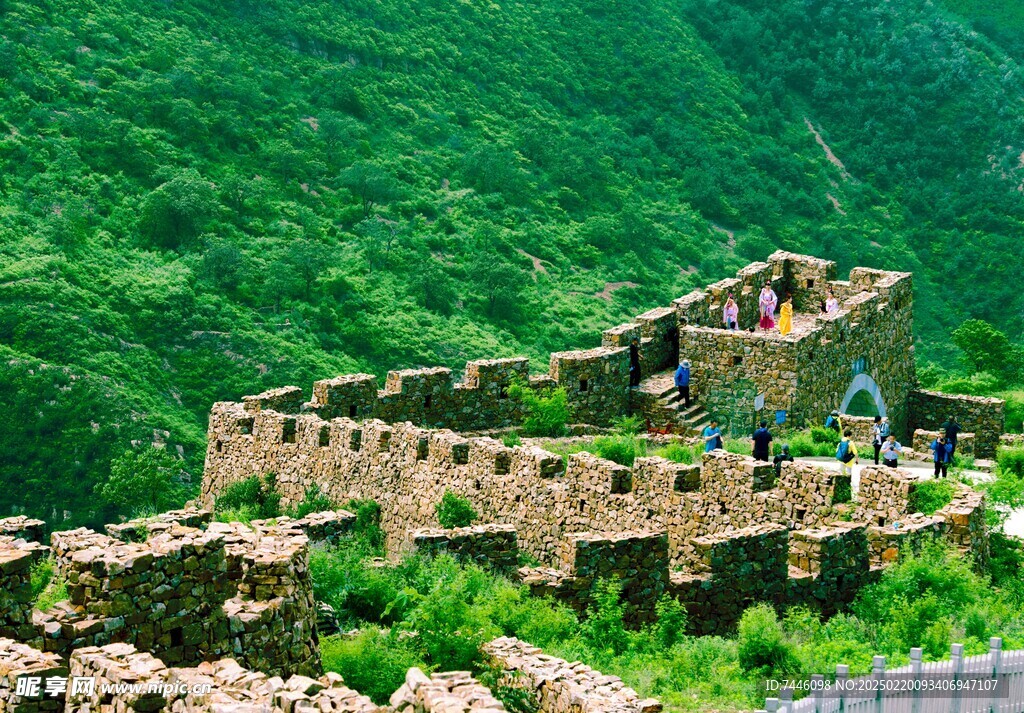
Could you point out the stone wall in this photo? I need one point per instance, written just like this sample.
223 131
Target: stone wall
984 417
448 692
183 594
557 686
21 661
733 570
20 527
493 546
638 561
835 564
15 592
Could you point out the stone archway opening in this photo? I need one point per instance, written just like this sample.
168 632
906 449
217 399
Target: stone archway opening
863 398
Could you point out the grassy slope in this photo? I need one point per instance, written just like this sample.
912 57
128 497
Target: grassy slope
181 217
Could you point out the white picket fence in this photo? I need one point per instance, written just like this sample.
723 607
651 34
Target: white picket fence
1007 698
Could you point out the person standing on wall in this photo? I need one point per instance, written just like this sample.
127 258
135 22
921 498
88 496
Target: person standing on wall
682 381
731 314
761 442
786 315
942 454
831 303
950 429
846 454
891 450
712 436
877 439
766 303
634 363
672 337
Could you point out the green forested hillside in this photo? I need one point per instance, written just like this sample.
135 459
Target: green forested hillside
200 200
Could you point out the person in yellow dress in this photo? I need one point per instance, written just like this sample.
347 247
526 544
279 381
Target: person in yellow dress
786 315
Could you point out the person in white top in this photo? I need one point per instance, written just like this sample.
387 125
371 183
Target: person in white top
767 303
831 304
730 315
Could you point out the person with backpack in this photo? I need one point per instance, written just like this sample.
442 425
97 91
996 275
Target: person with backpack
783 457
761 443
682 381
712 436
846 454
950 429
834 422
942 454
891 450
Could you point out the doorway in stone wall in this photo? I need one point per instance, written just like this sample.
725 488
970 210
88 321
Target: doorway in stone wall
864 398
862 405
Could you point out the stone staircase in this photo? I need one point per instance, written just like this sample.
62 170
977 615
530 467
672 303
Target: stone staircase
657 400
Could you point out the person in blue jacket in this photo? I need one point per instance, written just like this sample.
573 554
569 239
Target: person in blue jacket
942 451
682 380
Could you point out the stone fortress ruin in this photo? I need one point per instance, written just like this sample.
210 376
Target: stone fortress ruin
179 599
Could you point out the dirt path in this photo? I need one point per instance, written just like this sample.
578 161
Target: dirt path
832 158
611 287
538 265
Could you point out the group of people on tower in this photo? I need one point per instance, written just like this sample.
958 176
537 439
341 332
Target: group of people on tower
767 303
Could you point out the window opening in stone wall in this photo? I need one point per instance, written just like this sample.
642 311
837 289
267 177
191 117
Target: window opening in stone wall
881 520
800 513
325 436
842 337
737 360
583 504
384 444
501 465
502 393
288 431
427 401
584 385
810 284
355 441
218 446
421 449
245 426
353 411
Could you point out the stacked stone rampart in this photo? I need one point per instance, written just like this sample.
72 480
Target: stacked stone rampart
183 594
984 417
491 545
16 592
557 686
637 561
221 685
833 563
731 571
447 692
21 661
965 524
141 529
20 527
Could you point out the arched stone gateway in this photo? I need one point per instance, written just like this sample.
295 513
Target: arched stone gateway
863 382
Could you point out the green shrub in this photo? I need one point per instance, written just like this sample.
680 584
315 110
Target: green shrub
603 629
762 643
672 621
546 411
454 511
511 440
254 498
628 425
373 663
806 445
539 620
930 495
621 449
1011 460
367 525
314 501
47 590
677 452
820 434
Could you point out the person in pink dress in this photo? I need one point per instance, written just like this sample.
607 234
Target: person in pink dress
731 314
767 302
